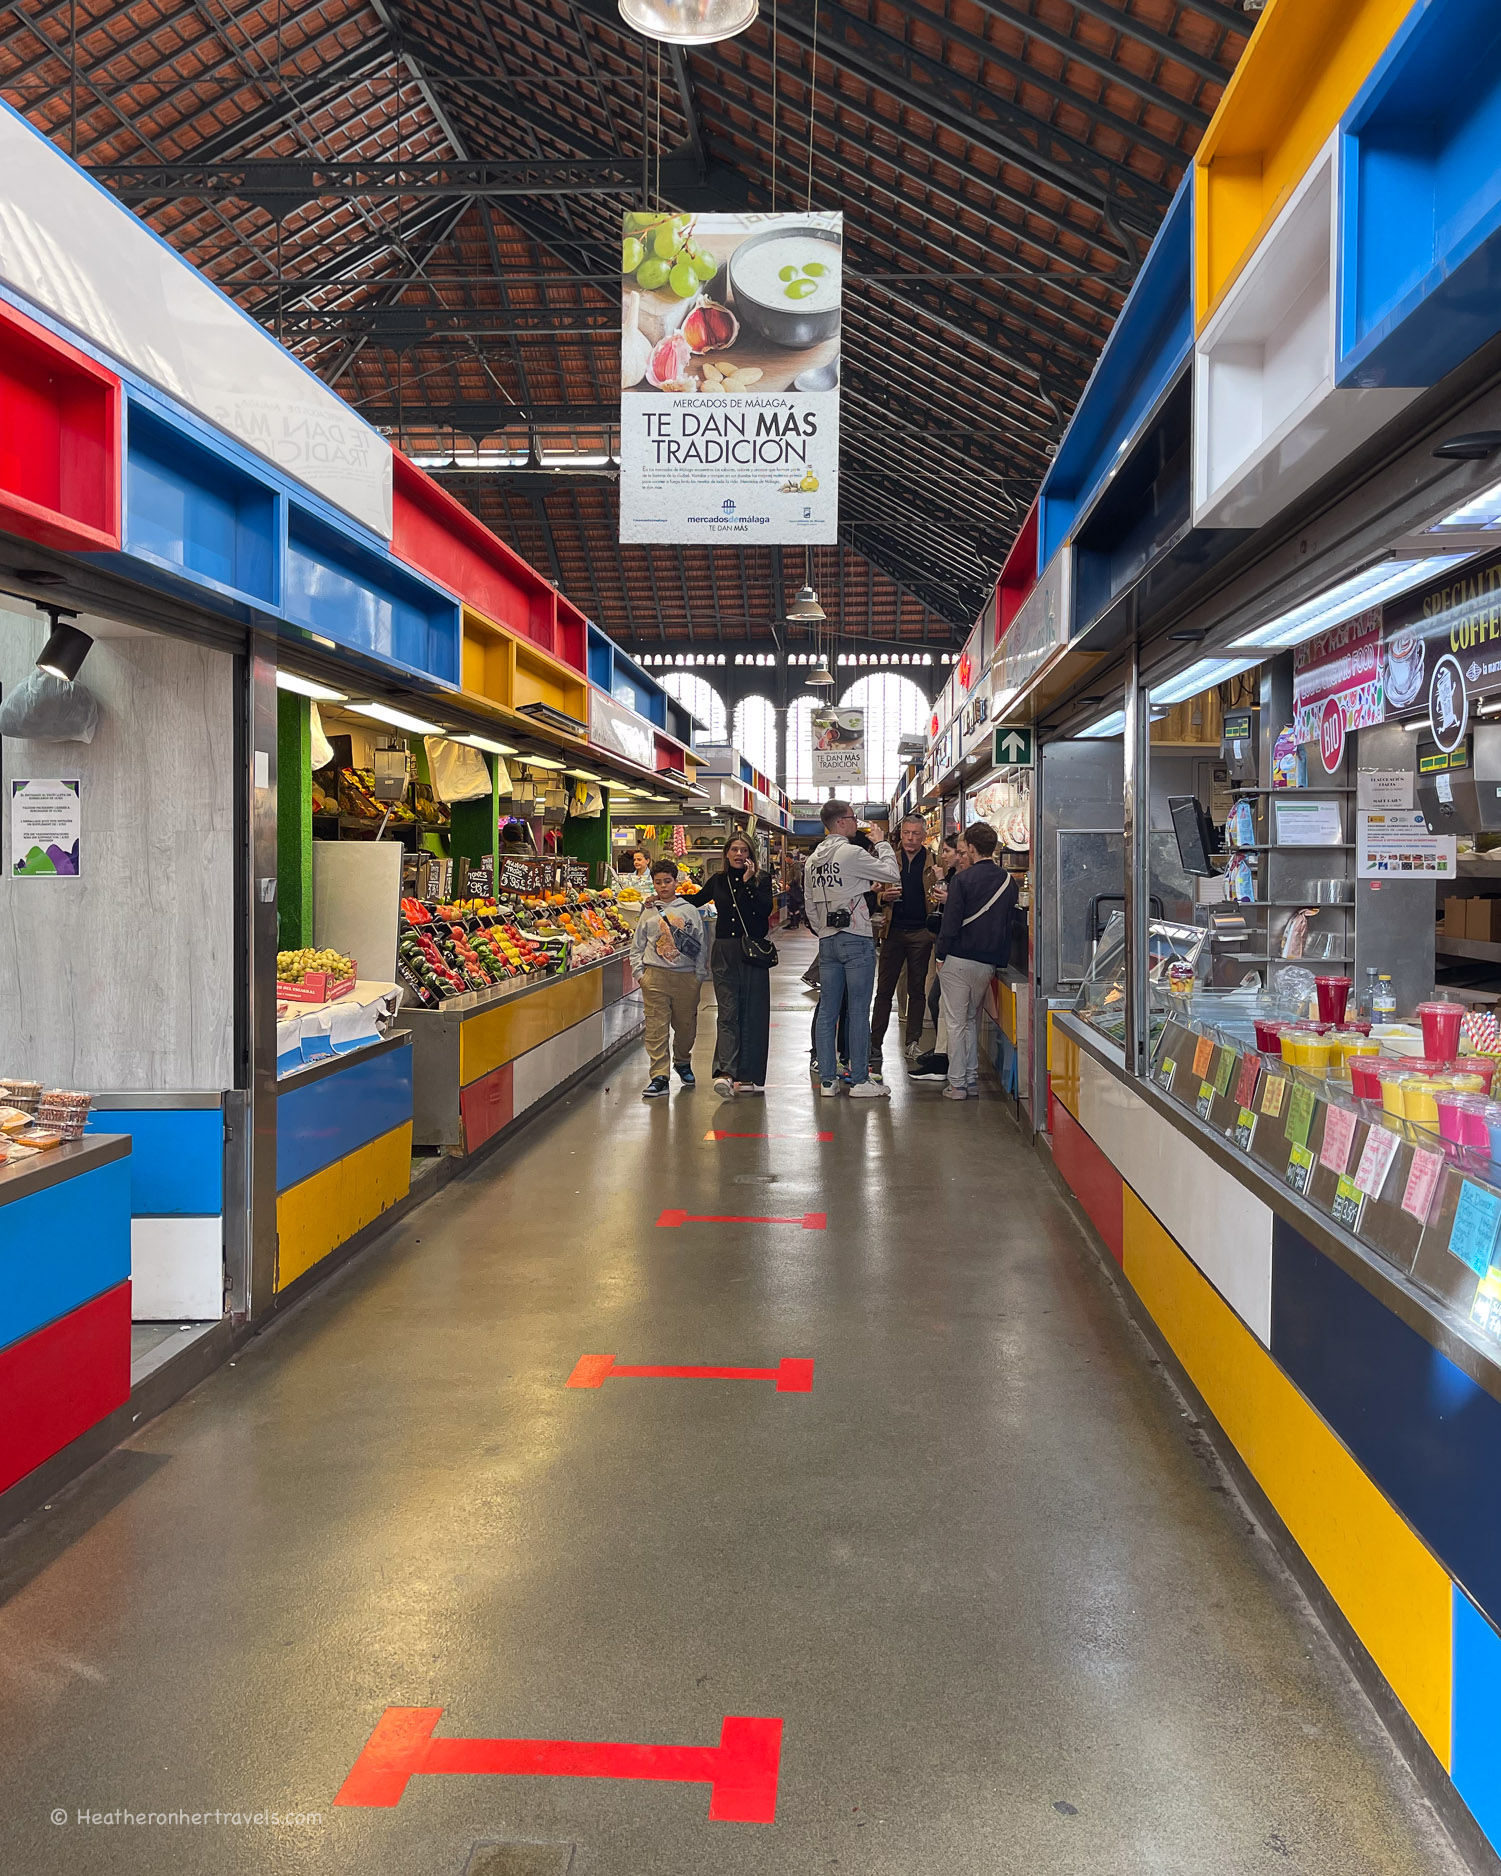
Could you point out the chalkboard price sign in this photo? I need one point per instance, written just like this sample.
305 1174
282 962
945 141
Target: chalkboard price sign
575 872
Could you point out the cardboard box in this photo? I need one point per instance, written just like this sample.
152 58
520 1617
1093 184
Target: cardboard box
1483 920
1455 923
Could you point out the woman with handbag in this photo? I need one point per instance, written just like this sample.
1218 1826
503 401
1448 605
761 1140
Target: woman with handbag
741 962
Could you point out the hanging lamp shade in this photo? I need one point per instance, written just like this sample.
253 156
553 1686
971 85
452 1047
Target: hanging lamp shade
688 22
822 674
805 609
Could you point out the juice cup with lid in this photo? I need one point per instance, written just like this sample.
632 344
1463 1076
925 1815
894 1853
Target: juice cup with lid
1441 1022
1394 1079
1269 1035
1420 1101
1492 1116
1334 995
1365 1076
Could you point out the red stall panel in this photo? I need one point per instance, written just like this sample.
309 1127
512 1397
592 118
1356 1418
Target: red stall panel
435 533
59 1381
1091 1178
59 440
573 635
1019 575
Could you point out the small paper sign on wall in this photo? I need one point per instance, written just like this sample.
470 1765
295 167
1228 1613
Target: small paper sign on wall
46 828
1399 846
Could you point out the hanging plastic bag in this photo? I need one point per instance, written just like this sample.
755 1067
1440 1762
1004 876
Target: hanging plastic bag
459 772
47 709
322 749
585 802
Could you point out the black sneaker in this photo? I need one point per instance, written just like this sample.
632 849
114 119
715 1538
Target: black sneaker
929 1067
657 1086
685 1074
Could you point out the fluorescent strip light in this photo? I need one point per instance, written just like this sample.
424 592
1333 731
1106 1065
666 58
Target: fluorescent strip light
583 775
540 762
1481 511
1425 728
305 687
1202 675
1388 579
398 719
485 742
1113 725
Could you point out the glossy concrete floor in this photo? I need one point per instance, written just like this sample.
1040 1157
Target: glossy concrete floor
984 1573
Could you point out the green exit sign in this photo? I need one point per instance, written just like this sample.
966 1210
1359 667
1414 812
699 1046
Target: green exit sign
1012 747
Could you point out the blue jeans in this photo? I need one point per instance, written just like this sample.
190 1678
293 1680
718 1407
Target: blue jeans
845 962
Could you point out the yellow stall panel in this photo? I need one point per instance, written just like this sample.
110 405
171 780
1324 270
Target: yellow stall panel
324 1211
1392 1590
510 1029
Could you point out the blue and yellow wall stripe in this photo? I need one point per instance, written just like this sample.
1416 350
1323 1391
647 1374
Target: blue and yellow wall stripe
343 1154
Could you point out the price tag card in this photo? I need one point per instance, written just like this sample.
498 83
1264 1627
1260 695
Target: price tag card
1226 1069
1203 1055
1166 1069
1299 1166
1205 1100
1346 1207
1477 1219
1273 1095
1339 1133
1245 1129
1299 1116
1245 1087
1375 1161
1485 1311
1422 1182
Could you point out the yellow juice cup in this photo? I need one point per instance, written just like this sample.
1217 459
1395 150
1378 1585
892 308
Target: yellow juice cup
1419 1102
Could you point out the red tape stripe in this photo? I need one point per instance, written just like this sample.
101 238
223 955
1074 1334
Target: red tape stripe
741 1771
793 1374
810 1221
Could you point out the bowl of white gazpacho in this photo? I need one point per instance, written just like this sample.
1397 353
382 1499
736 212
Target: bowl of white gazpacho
786 283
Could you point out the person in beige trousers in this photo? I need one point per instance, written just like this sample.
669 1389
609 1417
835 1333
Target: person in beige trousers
670 956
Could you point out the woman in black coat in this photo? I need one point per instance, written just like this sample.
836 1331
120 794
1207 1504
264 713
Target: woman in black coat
741 897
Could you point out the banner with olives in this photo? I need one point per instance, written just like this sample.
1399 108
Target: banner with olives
729 378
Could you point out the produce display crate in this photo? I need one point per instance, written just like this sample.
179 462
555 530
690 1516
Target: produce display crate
318 987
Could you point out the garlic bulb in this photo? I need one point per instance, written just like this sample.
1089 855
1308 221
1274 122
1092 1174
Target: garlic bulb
635 352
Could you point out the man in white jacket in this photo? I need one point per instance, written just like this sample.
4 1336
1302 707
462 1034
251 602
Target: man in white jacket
835 881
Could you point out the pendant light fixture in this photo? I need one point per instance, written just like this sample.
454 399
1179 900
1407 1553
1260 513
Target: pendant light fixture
688 22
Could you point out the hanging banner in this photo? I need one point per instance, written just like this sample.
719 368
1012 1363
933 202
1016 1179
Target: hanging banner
729 374
838 747
1341 666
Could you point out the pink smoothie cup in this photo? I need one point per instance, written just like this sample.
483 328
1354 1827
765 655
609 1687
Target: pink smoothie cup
1440 1028
1451 1116
1334 994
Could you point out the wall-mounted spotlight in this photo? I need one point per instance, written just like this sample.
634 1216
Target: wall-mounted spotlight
66 647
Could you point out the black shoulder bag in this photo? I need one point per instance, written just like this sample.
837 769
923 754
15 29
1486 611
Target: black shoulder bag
759 953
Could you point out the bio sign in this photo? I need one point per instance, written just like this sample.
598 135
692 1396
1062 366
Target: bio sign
729 373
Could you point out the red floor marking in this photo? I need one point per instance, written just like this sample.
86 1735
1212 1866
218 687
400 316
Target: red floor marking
741 1771
793 1374
810 1221
718 1133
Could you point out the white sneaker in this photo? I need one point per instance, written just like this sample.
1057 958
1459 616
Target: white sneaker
750 1087
870 1091
828 1089
914 1049
724 1087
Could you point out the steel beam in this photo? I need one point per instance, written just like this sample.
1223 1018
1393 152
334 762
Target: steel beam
293 182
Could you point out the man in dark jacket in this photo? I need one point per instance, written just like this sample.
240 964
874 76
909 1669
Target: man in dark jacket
974 942
908 943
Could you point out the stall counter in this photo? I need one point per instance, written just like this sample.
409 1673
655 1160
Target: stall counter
64 1297
482 1060
343 1151
1366 1412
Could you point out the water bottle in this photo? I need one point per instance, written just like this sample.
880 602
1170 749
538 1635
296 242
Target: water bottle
1365 1003
1384 1001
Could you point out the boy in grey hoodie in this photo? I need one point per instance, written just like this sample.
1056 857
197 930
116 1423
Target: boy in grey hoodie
835 881
670 955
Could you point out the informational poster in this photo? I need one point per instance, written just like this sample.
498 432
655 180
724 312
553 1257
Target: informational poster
1312 823
1342 665
46 826
1384 790
1399 846
838 747
729 373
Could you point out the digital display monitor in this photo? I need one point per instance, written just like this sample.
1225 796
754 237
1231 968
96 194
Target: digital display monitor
1194 833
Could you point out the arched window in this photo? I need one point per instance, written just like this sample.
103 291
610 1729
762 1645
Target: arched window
698 695
800 748
894 707
755 734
